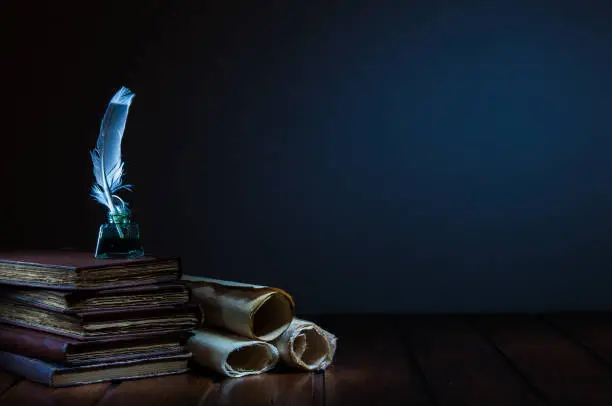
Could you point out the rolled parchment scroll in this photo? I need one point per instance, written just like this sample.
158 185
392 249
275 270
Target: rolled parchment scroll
253 311
305 345
230 355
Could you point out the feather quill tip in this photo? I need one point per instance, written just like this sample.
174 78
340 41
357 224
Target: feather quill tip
123 96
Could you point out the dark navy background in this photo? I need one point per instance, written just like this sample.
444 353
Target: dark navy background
363 155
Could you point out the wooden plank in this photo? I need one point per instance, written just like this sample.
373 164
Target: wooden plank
565 373
592 330
29 393
7 380
183 389
461 367
272 388
372 366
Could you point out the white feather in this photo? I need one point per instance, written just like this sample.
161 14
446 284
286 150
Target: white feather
106 157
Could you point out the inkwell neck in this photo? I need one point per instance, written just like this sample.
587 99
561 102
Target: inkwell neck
119 217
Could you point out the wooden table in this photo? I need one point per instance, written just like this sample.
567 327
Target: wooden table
519 360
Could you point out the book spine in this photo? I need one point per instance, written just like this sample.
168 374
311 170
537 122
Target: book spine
30 368
32 344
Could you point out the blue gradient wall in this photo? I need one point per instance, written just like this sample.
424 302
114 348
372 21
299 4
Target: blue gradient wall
383 156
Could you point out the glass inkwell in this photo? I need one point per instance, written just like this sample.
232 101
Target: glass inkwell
119 237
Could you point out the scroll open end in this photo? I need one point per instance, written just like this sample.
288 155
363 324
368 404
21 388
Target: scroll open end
305 345
253 357
310 347
272 317
231 355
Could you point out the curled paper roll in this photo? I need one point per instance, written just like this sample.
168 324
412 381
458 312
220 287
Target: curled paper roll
231 355
253 311
305 345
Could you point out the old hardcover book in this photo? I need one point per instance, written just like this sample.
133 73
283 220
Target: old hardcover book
97 301
73 270
101 325
63 350
57 375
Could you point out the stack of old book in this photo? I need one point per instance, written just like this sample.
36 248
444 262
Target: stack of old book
67 318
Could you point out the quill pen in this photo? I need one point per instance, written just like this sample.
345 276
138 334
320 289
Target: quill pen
106 157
